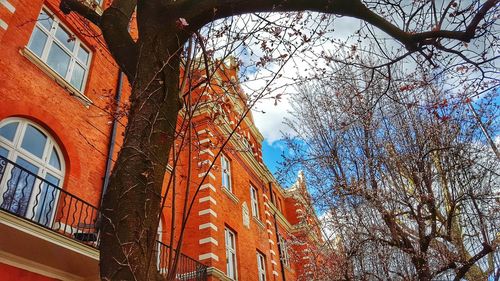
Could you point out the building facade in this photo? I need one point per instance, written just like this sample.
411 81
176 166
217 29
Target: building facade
58 84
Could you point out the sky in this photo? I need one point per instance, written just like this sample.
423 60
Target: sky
272 154
268 116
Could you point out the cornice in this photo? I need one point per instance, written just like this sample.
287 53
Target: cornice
280 217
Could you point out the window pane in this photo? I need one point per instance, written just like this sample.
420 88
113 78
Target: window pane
54 160
65 38
34 141
83 55
52 179
19 187
233 265
45 20
37 42
9 131
77 76
58 60
27 165
46 199
4 153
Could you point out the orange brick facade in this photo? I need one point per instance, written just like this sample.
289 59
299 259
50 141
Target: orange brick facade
78 123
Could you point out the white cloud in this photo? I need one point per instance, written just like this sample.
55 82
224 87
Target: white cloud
271 123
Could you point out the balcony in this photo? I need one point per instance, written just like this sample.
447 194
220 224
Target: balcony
188 269
28 196
50 226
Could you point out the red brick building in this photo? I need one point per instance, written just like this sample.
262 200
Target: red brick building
57 139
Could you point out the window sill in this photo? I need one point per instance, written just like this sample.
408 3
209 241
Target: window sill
230 195
259 222
54 75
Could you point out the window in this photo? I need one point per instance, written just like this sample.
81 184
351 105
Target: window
28 187
254 201
60 50
230 254
261 266
226 173
283 251
161 260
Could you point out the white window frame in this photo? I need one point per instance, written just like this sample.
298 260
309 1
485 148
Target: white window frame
160 261
51 40
284 251
231 263
15 150
261 266
226 173
254 200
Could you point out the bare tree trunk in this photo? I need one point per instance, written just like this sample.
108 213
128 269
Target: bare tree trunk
130 219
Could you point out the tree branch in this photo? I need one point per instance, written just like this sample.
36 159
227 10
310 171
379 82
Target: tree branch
469 263
198 13
114 24
82 8
466 35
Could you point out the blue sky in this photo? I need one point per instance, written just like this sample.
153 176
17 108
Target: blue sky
272 154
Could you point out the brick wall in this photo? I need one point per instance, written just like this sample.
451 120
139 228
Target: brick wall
82 131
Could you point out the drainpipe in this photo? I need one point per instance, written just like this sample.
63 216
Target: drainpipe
112 139
273 200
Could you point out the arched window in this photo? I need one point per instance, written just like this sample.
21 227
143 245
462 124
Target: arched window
31 170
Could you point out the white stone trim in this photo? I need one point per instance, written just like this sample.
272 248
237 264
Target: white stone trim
230 195
207 161
207 150
267 205
207 198
270 231
206 212
274 262
272 252
3 25
269 222
8 5
204 141
208 256
201 132
48 235
208 185
267 213
271 241
209 240
265 196
200 175
208 225
275 273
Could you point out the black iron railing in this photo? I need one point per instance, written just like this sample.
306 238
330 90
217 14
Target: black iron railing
31 197
187 268
34 198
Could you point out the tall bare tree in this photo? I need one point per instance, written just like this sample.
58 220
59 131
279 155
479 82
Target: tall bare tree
409 182
152 65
